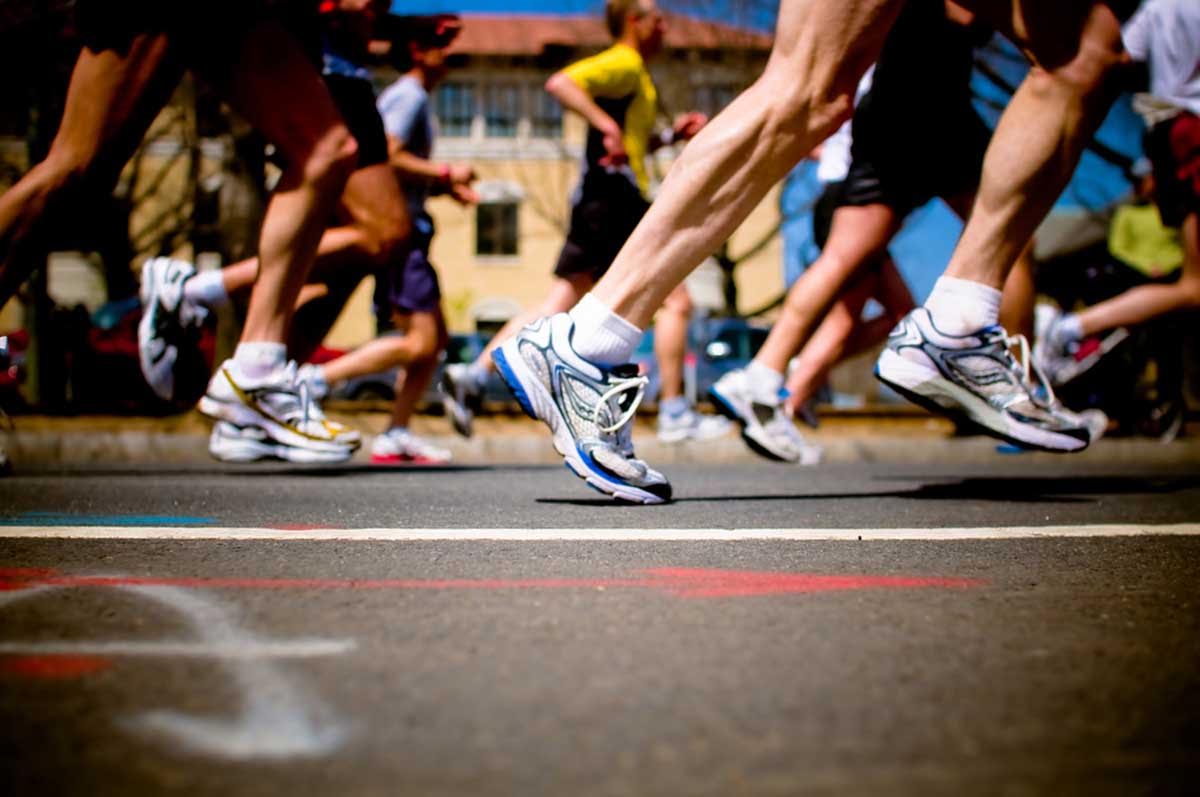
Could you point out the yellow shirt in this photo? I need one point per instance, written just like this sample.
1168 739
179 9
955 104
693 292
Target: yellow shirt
619 83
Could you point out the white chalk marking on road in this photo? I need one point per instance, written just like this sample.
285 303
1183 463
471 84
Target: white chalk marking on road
594 534
257 649
275 717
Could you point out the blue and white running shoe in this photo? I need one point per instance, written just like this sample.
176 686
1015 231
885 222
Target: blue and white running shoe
589 409
977 379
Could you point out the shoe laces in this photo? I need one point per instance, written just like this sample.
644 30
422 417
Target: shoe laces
1026 367
610 398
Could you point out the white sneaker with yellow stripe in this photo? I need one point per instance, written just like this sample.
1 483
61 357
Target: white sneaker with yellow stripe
282 409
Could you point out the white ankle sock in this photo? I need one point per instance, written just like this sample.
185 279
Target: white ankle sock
207 289
602 336
1067 329
961 307
765 382
258 359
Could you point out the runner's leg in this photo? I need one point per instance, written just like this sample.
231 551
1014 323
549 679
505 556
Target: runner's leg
805 93
111 100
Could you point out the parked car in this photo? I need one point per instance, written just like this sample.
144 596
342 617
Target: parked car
715 347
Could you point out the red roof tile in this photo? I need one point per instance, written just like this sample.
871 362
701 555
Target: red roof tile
531 34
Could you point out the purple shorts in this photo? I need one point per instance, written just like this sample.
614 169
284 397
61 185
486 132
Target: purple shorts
409 286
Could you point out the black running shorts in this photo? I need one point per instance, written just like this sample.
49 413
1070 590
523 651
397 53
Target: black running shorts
607 211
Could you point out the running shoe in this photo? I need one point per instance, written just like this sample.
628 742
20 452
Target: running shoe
691 425
977 379
588 408
169 333
282 408
1064 360
399 446
312 376
765 427
461 397
232 443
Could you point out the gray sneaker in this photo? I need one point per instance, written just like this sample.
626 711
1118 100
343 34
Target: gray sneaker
460 397
589 409
765 427
976 379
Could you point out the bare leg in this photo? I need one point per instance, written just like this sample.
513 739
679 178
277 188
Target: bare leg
827 345
1020 293
857 235
111 100
422 341
418 373
1042 132
670 341
375 228
564 294
282 95
1138 305
826 348
821 50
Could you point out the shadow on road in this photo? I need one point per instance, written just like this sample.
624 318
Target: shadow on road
1042 490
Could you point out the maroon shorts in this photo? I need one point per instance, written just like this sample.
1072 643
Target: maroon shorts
1173 147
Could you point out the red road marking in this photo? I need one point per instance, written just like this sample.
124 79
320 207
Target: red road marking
53 667
678 581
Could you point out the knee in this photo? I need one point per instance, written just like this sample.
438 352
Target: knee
332 158
679 304
1086 68
1189 291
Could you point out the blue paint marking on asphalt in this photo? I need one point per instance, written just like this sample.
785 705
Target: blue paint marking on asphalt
68 519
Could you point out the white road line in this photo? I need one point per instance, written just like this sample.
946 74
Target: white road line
568 534
241 650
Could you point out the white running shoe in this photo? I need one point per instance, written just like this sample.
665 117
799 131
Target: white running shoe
281 406
399 446
461 397
168 333
691 425
231 443
975 378
589 409
765 427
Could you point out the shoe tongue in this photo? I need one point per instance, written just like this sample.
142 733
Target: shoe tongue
624 371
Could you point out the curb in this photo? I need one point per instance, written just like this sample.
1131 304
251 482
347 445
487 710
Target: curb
42 443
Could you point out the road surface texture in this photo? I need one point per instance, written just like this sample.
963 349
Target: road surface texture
1018 627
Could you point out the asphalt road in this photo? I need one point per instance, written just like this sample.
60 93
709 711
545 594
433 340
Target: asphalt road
609 667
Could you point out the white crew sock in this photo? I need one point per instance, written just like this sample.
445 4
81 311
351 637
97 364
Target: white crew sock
1065 330
765 382
259 359
207 289
478 373
602 336
962 307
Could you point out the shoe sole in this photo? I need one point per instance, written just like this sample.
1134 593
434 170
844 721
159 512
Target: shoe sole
726 407
240 415
927 388
393 460
516 375
148 293
460 417
240 451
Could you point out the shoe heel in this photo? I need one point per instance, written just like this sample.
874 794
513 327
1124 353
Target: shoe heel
514 384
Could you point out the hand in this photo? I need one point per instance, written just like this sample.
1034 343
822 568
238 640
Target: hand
688 124
614 149
462 174
463 194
